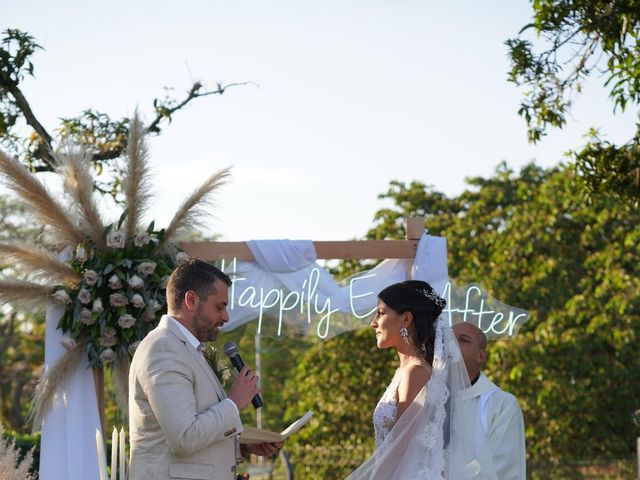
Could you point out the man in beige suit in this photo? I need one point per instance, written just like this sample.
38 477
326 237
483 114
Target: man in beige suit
182 424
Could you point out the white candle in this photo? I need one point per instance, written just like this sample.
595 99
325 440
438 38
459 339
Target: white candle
114 453
122 462
102 461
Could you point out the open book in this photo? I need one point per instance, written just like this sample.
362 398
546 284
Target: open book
255 435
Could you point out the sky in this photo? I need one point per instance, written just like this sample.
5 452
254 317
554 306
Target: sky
346 95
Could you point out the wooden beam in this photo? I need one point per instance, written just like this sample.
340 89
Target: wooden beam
326 250
415 228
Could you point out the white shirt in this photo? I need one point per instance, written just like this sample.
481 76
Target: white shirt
500 423
197 345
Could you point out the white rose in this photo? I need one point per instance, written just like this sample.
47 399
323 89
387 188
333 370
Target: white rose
141 239
136 282
133 347
107 341
81 254
118 300
84 296
224 369
68 343
116 239
61 297
107 356
114 282
181 257
126 321
146 268
85 316
97 306
137 301
149 316
90 277
154 305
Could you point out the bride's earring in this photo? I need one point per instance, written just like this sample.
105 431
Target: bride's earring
404 333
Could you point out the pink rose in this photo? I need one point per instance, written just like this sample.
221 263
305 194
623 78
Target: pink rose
146 268
107 356
141 239
90 277
61 297
84 296
126 321
116 239
137 301
118 300
85 317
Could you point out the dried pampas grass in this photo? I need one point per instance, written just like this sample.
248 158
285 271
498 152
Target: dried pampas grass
11 468
39 263
135 184
120 376
53 379
45 207
29 295
74 168
189 215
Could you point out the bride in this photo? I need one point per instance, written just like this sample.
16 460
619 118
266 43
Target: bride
422 429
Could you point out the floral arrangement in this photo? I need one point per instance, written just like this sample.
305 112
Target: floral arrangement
110 278
219 365
120 296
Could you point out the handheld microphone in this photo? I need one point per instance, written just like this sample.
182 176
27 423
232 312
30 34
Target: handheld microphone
230 349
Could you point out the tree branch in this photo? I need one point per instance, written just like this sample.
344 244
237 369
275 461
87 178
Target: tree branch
29 116
194 92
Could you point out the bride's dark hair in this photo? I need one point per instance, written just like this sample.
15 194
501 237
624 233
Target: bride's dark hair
425 305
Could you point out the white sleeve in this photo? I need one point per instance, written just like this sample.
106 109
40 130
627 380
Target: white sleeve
506 437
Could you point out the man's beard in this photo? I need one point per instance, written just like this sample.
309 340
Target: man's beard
204 331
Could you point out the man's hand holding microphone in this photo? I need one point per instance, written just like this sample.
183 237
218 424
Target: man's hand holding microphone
244 391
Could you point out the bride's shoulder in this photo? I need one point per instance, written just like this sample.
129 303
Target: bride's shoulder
415 373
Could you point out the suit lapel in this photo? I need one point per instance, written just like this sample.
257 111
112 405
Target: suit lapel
195 356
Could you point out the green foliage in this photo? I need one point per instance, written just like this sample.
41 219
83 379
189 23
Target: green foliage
340 381
278 357
21 334
535 241
21 356
572 40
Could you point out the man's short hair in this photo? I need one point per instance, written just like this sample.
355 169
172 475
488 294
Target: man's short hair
193 274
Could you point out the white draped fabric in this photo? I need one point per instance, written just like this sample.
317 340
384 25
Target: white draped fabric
286 271
68 443
68 449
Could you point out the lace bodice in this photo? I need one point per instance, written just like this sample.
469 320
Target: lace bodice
385 413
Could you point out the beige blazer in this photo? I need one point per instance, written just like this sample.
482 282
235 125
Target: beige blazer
179 426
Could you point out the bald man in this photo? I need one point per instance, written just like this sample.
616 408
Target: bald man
499 418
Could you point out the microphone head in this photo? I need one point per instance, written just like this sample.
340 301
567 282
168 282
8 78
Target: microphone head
230 349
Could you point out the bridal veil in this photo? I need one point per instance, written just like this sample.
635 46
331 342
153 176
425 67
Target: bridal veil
435 438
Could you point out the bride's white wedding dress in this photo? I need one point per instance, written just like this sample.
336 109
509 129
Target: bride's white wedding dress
385 413
434 437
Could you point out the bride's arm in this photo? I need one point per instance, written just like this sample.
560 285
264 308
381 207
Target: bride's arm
414 378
